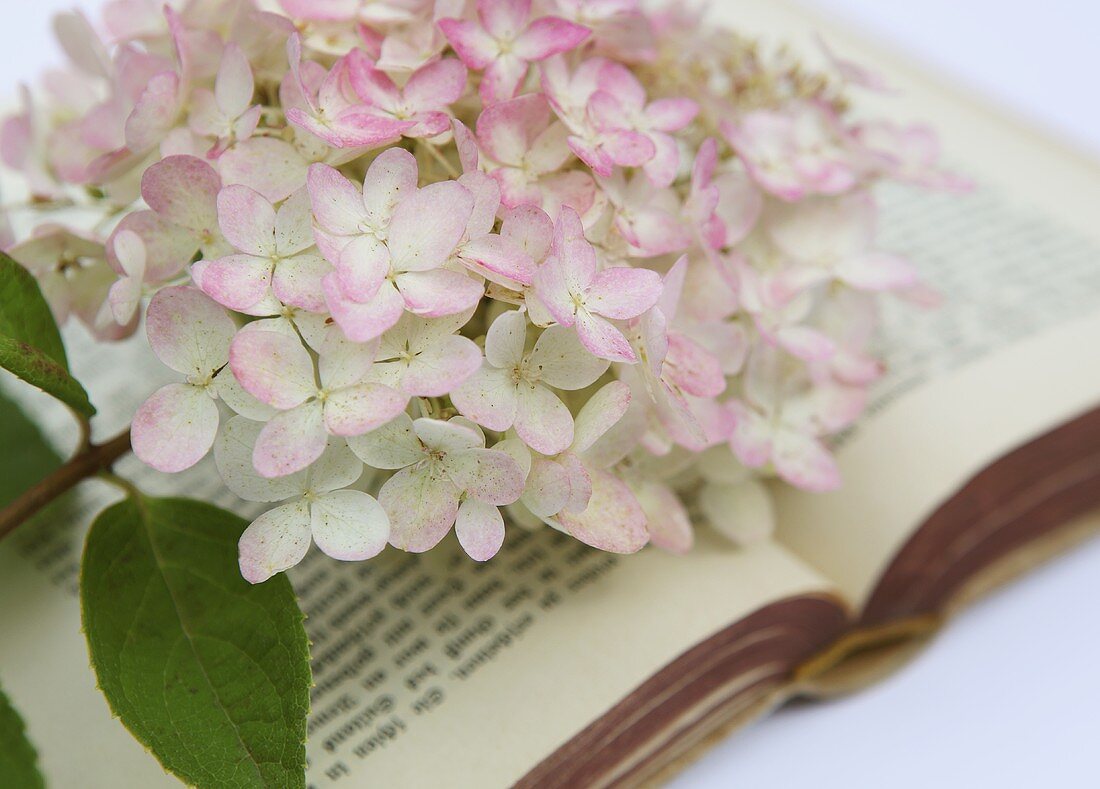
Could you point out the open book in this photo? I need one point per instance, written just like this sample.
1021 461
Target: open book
557 665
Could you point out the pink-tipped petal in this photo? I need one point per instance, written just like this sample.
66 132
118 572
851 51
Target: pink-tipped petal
356 410
549 36
441 367
187 331
623 293
422 508
602 338
291 441
273 367
613 521
175 428
274 542
488 398
480 529
542 420
486 474
247 220
438 293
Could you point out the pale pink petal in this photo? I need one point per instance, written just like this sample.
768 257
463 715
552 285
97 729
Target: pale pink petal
175 428
393 445
804 462
271 166
752 437
355 410
549 36
503 78
297 281
602 338
468 152
233 454
273 367
422 508
391 178
628 148
187 331
671 115
349 525
530 228
362 267
602 412
580 483
562 362
578 258
488 398
542 420
438 293
294 225
480 529
693 369
548 489
613 521
337 202
436 85
155 112
247 220
503 19
499 259
184 191
124 297
486 474
667 519
237 281
442 366
416 245
553 291
507 129
663 168
275 541
504 342
476 47
291 441
363 322
623 293
234 86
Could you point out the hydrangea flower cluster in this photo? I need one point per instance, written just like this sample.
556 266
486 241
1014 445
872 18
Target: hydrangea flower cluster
420 261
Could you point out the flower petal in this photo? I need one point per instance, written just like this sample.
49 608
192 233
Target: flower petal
488 398
391 178
291 441
804 462
239 282
233 455
623 293
666 517
562 362
487 475
613 521
392 446
363 322
175 428
438 293
188 331
601 413
480 529
439 368
349 525
418 246
273 367
548 489
542 420
247 220
184 191
274 542
337 203
548 36
603 339
355 410
422 508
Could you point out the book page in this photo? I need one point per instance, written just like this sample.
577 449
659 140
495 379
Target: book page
430 670
1012 352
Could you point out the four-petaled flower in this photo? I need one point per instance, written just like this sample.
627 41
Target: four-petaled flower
576 294
447 478
504 43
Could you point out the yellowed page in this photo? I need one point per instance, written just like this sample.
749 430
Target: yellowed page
1014 351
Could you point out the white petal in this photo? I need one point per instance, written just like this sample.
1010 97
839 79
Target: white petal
602 412
276 541
349 525
355 410
542 420
451 436
742 512
486 474
438 369
488 398
394 445
548 488
480 529
563 362
422 508
505 338
337 468
233 455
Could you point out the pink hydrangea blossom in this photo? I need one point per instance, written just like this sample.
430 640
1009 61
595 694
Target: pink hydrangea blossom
545 257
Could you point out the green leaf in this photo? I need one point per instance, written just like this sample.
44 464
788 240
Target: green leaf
18 760
27 457
207 671
30 344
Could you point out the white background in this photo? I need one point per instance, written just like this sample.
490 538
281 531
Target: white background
1009 695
